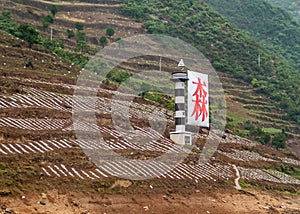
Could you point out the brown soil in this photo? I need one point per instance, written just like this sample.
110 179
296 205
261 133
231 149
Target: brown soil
197 202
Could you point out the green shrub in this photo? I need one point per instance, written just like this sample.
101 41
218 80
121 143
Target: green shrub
103 41
79 26
118 76
47 20
53 10
244 184
3 171
159 97
279 141
70 33
110 32
29 34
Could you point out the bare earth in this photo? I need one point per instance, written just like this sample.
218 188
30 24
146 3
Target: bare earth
198 202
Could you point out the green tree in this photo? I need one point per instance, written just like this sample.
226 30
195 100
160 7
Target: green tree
81 43
82 46
266 139
81 36
110 32
48 44
29 34
70 33
79 26
6 14
103 41
46 21
279 140
53 10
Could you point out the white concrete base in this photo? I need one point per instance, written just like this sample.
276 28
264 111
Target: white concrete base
181 138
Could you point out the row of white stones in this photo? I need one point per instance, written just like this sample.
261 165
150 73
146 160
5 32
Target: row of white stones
34 147
290 161
140 138
245 156
63 171
45 99
182 171
202 172
8 103
51 145
33 124
236 139
267 175
28 100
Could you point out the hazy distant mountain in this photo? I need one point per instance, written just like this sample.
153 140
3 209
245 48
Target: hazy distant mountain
272 26
293 6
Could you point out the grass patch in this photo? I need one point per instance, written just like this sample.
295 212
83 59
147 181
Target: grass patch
271 130
161 98
244 184
292 171
235 118
3 171
289 170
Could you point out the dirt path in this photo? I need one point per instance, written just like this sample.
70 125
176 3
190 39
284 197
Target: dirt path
236 180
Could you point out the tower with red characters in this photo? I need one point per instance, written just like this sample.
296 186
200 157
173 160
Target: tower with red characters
180 135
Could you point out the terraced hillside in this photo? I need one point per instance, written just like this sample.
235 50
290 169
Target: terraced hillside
245 105
39 150
98 15
95 17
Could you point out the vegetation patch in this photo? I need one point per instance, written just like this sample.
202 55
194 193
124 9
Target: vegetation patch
291 170
228 48
33 37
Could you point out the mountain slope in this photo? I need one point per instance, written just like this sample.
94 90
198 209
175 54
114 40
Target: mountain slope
44 167
39 150
228 48
270 26
292 6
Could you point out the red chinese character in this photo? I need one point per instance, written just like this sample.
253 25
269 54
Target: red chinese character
200 101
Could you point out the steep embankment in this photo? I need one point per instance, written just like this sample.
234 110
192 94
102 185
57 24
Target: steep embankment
39 149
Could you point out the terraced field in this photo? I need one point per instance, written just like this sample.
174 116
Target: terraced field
254 107
95 17
39 148
56 136
98 15
38 138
